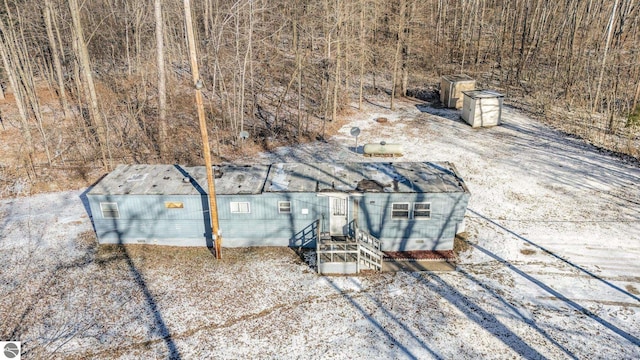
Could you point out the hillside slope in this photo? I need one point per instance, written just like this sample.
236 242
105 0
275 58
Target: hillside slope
551 269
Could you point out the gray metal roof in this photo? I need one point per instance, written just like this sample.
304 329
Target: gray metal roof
409 177
181 180
403 177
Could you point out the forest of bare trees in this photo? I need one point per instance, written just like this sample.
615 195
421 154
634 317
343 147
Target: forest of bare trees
89 84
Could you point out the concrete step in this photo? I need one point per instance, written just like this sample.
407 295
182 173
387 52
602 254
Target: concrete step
417 265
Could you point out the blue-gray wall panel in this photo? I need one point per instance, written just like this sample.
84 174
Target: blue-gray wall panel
147 217
436 233
136 228
150 207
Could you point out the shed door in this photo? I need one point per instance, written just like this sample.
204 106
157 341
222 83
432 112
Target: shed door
338 217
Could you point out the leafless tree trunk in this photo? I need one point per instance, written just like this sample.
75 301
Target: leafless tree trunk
399 39
162 79
596 100
298 54
336 81
406 48
362 53
27 76
245 64
55 56
18 93
17 64
90 90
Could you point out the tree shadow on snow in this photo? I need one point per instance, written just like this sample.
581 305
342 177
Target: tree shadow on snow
556 294
158 327
486 320
382 328
552 254
438 110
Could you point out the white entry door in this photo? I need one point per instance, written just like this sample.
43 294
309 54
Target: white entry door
338 218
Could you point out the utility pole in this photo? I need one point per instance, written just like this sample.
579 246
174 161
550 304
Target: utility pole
197 83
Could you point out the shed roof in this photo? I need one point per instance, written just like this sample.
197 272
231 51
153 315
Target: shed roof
401 177
483 94
458 78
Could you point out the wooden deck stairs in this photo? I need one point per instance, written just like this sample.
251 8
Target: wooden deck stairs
359 251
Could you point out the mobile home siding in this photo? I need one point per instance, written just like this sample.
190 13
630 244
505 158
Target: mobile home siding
145 219
180 217
265 222
436 233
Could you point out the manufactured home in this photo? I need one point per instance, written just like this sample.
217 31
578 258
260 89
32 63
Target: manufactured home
403 205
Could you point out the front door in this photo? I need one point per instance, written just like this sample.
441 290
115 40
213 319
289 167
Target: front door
338 218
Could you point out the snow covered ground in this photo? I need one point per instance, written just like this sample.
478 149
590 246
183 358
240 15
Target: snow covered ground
552 270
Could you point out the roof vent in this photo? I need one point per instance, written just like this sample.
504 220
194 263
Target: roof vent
186 180
366 185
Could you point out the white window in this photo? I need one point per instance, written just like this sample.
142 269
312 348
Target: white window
399 211
284 207
109 210
240 207
422 211
338 206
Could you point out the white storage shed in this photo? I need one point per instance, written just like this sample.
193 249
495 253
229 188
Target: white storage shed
451 88
482 108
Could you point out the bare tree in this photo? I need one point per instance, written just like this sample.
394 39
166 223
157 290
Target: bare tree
337 75
399 41
85 66
284 68
55 56
361 58
162 79
18 93
596 99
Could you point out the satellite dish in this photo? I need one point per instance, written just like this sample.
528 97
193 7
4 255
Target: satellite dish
355 131
244 135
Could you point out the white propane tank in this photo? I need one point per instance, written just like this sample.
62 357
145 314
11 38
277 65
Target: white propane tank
382 149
